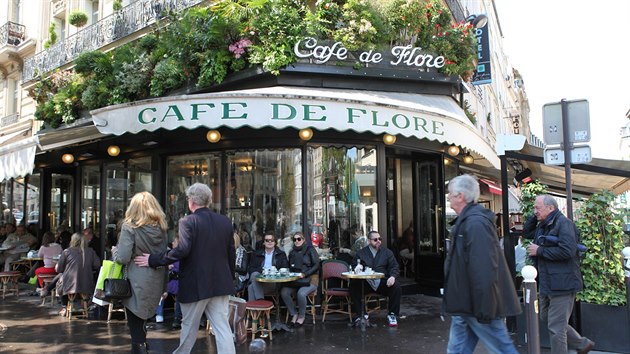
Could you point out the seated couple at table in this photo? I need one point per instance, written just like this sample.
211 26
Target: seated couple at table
303 259
381 260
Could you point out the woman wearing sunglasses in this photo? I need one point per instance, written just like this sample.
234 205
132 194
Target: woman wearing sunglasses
304 259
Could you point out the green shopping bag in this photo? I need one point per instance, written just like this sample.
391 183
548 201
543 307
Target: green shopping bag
33 280
116 273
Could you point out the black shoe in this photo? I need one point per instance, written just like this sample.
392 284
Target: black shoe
177 324
357 321
139 348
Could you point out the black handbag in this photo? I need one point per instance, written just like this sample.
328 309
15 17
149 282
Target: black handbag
117 289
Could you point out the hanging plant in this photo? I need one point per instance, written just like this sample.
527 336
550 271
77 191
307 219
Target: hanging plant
52 36
78 18
117 5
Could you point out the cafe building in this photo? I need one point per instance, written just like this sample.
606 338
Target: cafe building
333 151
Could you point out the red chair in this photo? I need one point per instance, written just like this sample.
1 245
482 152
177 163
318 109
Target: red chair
332 269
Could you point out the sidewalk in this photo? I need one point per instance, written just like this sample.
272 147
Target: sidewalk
28 327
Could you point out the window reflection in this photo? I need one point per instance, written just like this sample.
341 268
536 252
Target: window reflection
342 197
263 193
183 171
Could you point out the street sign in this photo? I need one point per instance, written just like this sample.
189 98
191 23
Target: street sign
578 120
579 154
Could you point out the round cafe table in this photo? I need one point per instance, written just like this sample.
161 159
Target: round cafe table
365 322
277 278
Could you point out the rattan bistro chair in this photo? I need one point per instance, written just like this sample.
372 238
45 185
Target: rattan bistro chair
331 271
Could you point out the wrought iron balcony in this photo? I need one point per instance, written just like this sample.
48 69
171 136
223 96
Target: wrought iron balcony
12 33
130 19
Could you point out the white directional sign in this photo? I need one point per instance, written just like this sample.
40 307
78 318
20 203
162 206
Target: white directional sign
578 119
579 154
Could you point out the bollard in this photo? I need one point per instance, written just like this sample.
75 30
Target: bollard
530 299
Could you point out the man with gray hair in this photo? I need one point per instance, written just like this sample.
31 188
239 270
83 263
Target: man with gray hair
206 275
479 292
559 276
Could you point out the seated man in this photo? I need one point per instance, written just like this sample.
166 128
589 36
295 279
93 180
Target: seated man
269 256
381 260
15 245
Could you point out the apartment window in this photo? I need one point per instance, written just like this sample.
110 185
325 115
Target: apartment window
94 10
13 92
16 11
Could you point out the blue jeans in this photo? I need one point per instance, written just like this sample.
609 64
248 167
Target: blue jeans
178 310
466 331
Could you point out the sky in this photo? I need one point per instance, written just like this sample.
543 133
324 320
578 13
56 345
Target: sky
573 49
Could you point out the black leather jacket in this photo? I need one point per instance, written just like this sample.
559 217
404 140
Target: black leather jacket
258 259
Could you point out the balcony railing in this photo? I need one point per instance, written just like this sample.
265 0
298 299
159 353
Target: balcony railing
10 119
12 33
132 18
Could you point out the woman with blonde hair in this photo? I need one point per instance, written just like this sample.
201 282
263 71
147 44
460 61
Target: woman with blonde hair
143 231
76 265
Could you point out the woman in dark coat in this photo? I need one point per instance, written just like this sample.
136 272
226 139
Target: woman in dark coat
143 231
303 258
76 264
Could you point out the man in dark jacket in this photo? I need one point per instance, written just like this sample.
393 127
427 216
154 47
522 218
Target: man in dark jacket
559 276
381 260
269 256
479 292
206 274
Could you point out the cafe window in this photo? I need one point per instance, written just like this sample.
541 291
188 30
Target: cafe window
123 180
90 199
342 203
263 193
182 172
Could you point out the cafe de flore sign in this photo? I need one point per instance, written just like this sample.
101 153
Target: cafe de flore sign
432 117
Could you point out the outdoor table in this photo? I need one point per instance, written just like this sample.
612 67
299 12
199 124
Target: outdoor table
279 325
365 322
26 263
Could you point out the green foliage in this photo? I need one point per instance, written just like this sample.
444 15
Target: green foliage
205 44
52 36
57 98
275 28
602 267
117 5
360 26
471 115
77 18
167 75
94 63
529 192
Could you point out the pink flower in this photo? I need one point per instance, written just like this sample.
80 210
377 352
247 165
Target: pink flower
238 47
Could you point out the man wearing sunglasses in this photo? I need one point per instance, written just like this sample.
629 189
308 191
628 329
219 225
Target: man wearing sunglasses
269 256
381 260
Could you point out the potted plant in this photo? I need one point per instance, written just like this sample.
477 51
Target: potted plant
52 36
604 314
78 18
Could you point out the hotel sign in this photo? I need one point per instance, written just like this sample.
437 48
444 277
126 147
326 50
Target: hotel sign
483 73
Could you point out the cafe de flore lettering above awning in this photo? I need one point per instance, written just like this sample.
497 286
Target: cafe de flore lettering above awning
432 117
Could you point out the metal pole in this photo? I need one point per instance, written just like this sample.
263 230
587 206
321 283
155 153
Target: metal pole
566 146
530 299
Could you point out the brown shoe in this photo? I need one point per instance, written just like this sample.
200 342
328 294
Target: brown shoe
589 346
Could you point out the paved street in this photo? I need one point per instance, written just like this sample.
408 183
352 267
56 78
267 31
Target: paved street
28 327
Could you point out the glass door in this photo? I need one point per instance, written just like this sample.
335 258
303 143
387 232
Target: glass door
414 207
60 214
123 181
